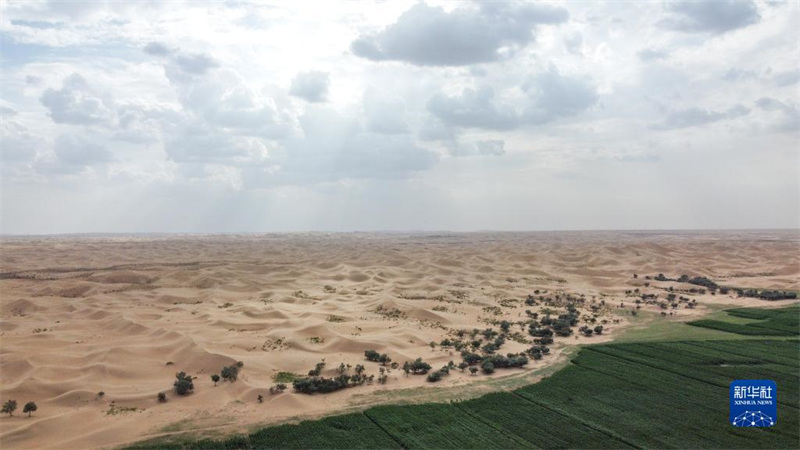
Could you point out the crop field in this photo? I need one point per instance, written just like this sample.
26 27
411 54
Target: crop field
766 322
642 395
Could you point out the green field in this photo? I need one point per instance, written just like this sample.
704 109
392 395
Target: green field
756 322
644 395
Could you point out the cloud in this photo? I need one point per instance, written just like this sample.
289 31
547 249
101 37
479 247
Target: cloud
384 115
695 117
714 17
19 144
474 108
311 86
735 74
157 49
77 103
335 146
574 43
553 96
788 78
430 36
32 80
549 96
493 147
195 63
222 98
194 142
651 54
787 118
72 154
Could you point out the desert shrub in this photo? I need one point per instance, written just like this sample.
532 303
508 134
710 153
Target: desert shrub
324 385
471 358
215 379
317 369
418 367
183 383
488 367
230 373
29 408
277 389
9 407
435 376
162 397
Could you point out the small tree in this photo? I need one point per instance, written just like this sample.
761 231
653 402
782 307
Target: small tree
230 373
162 397
598 329
101 394
462 365
9 407
435 376
260 398
183 383
488 367
215 379
473 370
29 408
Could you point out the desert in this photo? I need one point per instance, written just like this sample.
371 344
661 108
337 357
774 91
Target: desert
121 315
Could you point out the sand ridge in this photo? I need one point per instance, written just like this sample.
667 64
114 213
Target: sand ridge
122 314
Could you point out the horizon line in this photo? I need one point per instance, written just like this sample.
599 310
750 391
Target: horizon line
432 231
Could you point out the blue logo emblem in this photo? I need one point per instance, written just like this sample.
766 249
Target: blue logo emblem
753 403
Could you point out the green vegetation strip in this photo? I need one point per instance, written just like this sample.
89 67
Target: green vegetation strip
643 395
769 322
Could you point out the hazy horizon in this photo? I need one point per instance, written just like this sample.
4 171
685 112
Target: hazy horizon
90 234
219 117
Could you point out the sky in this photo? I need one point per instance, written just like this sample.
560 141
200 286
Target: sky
392 115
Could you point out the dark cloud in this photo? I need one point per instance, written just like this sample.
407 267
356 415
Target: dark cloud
157 49
694 117
550 96
474 109
787 119
195 63
429 36
32 80
311 86
651 54
77 103
788 78
710 16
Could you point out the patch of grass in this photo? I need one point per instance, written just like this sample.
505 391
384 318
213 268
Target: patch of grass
285 377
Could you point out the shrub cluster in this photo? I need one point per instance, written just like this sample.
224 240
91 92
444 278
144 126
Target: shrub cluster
374 356
184 384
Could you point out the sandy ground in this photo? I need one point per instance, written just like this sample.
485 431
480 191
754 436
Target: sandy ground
122 315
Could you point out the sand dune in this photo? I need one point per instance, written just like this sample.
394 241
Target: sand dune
122 315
